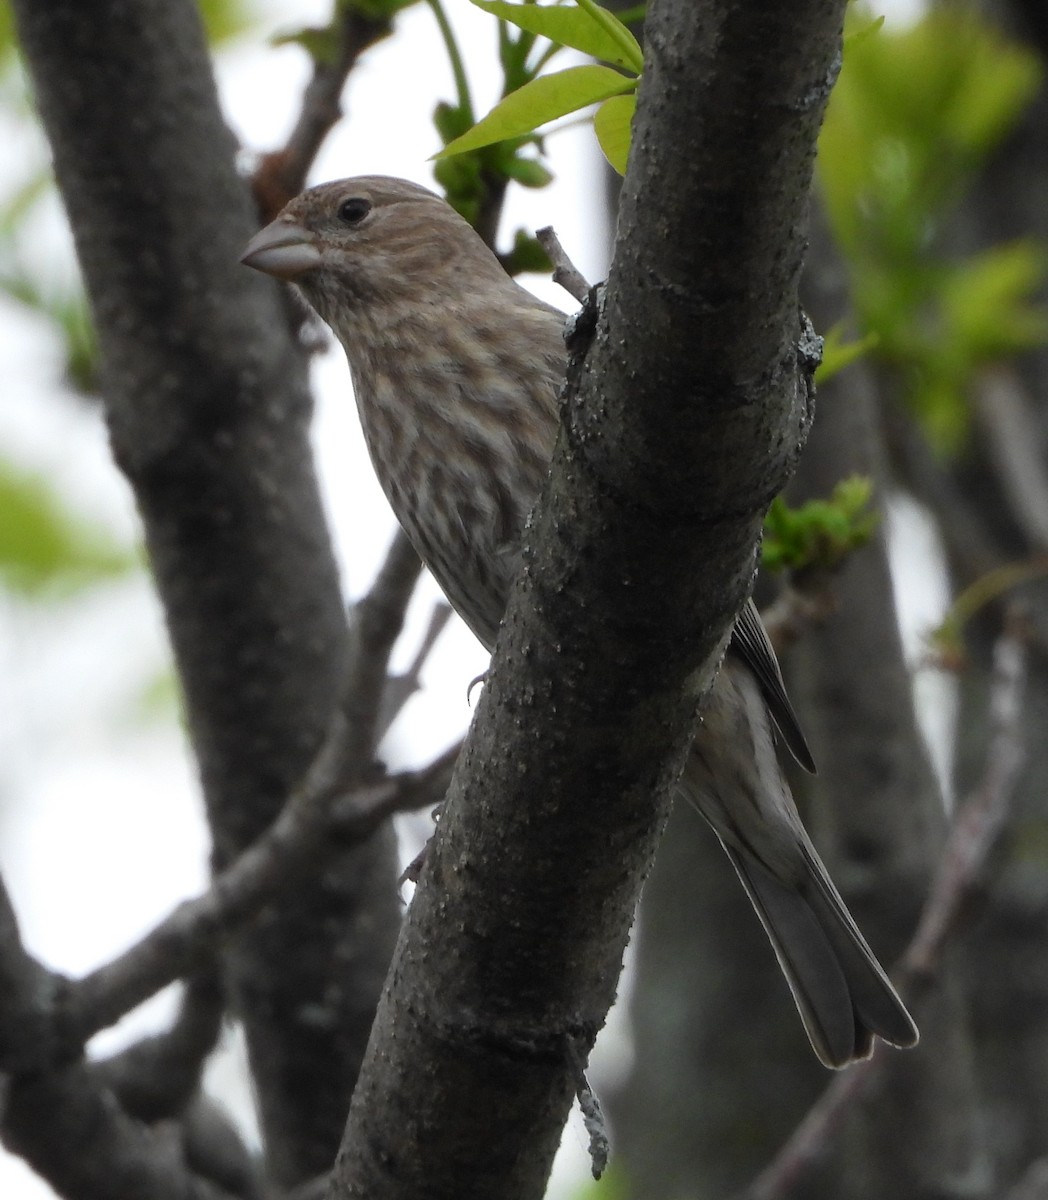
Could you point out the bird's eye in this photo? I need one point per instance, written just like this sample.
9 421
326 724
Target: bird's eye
354 210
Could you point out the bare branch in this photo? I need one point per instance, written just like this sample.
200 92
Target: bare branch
979 821
400 688
375 624
319 817
157 1076
58 1115
797 609
282 173
809 1140
565 272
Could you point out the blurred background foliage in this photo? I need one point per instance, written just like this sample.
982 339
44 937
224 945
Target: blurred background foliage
913 120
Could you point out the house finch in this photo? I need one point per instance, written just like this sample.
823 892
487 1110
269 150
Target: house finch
456 371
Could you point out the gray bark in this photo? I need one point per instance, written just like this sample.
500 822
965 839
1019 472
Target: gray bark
638 562
208 410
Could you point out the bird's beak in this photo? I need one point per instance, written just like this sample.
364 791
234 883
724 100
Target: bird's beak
283 249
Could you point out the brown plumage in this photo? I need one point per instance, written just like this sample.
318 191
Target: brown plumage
455 372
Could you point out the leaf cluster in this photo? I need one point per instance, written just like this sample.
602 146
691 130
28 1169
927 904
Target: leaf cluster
895 160
820 533
44 549
531 99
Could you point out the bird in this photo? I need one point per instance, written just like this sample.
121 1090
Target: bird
456 370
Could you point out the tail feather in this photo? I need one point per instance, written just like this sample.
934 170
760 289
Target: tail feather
734 779
843 996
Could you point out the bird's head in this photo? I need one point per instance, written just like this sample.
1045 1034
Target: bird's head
366 242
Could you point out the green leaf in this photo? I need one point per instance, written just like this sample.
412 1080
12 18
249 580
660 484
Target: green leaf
7 32
819 533
374 10
224 19
603 37
838 354
527 255
323 44
44 548
527 172
986 302
542 100
612 124
856 38
450 120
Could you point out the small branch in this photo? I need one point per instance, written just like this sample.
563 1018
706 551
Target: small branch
592 1114
979 822
156 1077
798 608
69 1130
808 1141
972 836
281 174
318 817
565 273
27 992
59 1115
400 688
376 621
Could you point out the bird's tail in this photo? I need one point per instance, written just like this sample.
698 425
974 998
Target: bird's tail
843 995
734 779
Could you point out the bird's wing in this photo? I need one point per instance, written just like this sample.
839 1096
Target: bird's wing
750 641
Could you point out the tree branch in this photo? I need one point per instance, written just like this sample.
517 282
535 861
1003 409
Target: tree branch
63 1121
319 819
514 940
281 174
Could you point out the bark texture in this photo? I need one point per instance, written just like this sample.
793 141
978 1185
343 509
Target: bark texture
637 563
208 410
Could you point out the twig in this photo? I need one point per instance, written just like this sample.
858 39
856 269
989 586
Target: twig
157 1076
565 272
304 829
972 835
400 688
62 1119
979 821
376 621
799 607
808 1141
281 174
27 993
592 1114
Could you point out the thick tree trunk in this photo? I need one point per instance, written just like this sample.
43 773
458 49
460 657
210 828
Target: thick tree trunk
208 409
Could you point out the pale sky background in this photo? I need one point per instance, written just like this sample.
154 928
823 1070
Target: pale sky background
99 801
